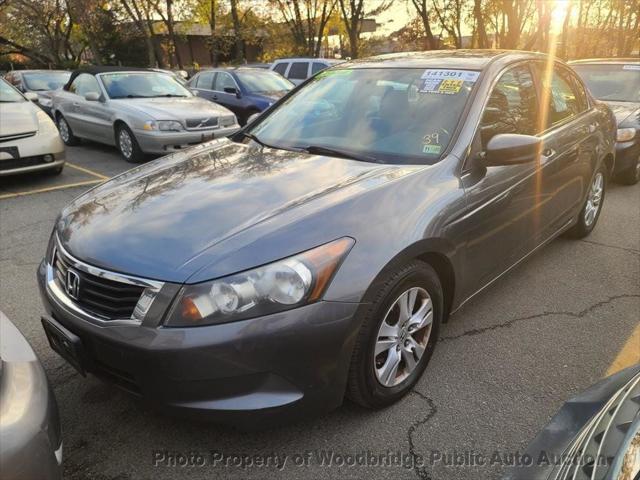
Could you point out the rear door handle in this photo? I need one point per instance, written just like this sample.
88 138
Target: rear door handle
593 127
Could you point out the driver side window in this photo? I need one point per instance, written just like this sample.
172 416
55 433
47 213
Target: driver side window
512 106
83 84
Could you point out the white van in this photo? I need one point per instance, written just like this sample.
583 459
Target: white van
297 70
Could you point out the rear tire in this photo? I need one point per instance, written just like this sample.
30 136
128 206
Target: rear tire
128 145
384 341
590 211
631 175
65 132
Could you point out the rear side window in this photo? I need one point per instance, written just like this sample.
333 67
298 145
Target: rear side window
564 101
281 68
512 106
298 70
205 80
317 67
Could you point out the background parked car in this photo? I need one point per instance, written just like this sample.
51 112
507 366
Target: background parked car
616 81
42 82
242 90
30 435
595 435
297 70
29 140
138 110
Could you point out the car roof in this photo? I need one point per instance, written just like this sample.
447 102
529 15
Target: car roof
610 60
41 70
463 59
96 70
308 59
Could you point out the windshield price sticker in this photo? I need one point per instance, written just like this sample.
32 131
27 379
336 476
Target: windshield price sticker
446 82
631 67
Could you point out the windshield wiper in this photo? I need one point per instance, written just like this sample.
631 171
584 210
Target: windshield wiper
251 136
336 152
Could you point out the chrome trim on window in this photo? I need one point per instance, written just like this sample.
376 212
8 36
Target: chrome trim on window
58 293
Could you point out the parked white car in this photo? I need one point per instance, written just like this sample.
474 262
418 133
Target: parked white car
139 111
297 70
29 140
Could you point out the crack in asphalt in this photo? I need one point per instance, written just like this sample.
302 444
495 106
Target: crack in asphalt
510 323
420 469
625 249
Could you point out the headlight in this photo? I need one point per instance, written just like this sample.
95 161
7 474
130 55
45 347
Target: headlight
278 286
227 120
45 124
163 125
625 134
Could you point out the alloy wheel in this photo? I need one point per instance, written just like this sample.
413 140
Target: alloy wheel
125 143
403 336
63 129
594 200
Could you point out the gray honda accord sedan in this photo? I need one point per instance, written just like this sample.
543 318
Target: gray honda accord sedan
317 252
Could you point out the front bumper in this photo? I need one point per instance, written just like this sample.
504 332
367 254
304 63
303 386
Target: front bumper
167 142
30 437
256 372
627 154
27 154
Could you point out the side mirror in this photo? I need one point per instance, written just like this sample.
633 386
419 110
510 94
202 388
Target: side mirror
232 90
31 96
252 118
92 97
511 149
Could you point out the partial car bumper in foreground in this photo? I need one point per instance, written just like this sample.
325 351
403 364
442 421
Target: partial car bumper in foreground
591 432
30 440
627 154
249 373
167 142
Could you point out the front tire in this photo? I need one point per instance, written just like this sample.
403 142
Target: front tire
590 212
631 175
66 133
397 336
128 145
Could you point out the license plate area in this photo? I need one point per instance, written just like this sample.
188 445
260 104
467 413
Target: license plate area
65 343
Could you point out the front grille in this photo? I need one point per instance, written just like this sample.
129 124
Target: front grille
99 296
11 163
599 449
16 136
201 123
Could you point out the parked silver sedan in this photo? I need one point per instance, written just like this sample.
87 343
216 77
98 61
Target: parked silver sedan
137 110
30 438
29 140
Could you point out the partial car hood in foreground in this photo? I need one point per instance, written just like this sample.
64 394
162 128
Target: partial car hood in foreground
173 108
625 112
17 118
158 221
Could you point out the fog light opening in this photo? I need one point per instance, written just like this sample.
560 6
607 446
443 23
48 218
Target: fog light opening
48 158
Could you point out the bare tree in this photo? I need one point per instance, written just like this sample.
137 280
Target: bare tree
424 12
307 21
138 12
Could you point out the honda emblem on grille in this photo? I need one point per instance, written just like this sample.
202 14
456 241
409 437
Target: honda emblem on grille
73 284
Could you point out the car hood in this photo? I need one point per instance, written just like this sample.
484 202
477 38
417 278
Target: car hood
157 221
173 108
17 118
625 112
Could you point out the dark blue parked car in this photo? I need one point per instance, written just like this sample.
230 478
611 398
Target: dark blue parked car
242 90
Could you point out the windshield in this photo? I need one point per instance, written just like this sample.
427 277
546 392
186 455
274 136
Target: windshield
43 81
615 82
383 115
8 94
142 85
264 82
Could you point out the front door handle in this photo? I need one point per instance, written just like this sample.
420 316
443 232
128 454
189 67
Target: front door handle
548 152
215 97
593 127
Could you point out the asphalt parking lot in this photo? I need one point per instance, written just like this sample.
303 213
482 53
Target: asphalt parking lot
506 362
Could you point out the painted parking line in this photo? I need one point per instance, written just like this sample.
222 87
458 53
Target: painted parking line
86 170
629 355
50 189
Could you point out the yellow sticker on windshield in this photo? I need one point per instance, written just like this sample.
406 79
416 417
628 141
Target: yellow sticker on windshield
450 87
